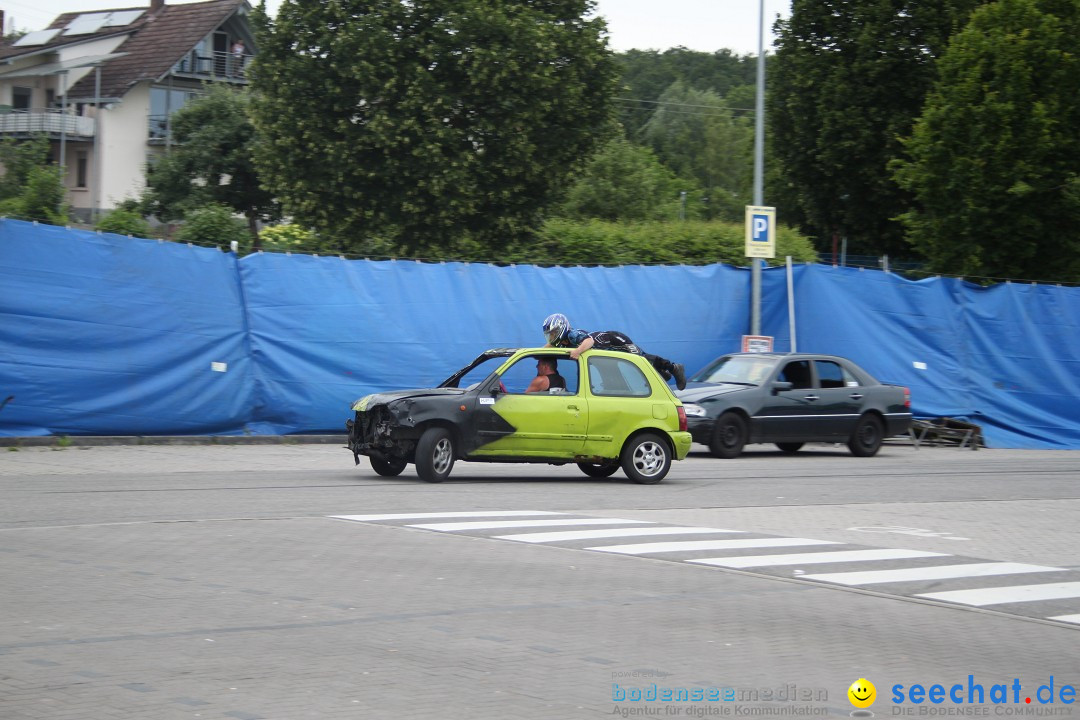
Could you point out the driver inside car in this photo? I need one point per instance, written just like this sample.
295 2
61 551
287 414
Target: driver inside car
547 377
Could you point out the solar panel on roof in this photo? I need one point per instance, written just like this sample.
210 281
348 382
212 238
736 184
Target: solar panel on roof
123 17
38 37
86 23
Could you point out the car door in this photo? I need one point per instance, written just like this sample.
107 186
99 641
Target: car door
620 398
550 424
840 398
788 414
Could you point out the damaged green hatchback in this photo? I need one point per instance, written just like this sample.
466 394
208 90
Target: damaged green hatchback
607 410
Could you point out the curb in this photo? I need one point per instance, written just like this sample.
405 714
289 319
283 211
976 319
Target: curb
101 441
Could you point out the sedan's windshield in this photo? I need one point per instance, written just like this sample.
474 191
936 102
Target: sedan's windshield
738 369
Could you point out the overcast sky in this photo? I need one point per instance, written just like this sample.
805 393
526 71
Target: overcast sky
706 25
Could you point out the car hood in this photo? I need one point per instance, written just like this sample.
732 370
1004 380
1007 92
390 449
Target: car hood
384 398
698 391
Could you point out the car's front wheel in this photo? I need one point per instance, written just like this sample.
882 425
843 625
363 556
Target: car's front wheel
729 436
387 467
790 447
435 455
599 470
866 439
646 459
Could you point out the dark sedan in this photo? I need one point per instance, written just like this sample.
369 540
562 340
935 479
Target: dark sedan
791 399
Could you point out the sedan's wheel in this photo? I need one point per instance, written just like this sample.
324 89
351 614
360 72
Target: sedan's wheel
599 470
387 467
646 459
790 447
729 436
866 439
435 455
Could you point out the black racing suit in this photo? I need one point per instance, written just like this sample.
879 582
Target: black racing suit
615 340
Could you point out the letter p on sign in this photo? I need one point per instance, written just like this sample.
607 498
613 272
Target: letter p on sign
760 232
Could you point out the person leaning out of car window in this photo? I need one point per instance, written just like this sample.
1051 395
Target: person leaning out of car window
547 377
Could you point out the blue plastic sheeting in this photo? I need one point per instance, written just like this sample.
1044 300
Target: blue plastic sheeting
104 335
107 335
325 331
1006 357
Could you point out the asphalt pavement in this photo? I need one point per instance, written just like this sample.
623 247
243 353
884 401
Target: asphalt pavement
280 581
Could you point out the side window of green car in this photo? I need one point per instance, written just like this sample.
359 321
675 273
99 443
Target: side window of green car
610 376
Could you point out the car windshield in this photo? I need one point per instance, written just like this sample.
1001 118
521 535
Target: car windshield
474 373
739 369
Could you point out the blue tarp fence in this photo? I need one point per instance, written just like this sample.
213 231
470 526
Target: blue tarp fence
109 335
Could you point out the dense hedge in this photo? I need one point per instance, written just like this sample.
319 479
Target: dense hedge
596 242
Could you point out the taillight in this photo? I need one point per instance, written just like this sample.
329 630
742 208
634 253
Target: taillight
682 418
907 398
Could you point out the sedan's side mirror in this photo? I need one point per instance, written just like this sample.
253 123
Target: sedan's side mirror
781 385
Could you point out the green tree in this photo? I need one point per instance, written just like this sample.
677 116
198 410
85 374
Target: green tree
624 182
212 225
211 162
696 134
31 187
647 74
993 159
848 80
441 125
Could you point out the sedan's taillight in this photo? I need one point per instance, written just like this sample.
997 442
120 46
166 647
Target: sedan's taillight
907 398
682 418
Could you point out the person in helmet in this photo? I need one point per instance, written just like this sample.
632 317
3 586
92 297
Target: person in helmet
558 332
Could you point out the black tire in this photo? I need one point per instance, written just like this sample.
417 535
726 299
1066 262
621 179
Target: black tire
387 467
599 470
790 447
729 436
646 459
866 438
435 455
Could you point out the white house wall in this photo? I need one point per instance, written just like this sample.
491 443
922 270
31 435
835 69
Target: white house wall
122 145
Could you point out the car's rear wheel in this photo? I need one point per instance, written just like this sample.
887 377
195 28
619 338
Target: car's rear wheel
866 438
790 447
599 470
387 467
729 436
646 459
435 455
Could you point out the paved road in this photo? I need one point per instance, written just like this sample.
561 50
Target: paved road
281 582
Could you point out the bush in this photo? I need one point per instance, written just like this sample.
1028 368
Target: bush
124 221
212 225
595 242
290 238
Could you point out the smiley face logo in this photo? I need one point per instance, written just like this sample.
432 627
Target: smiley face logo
862 693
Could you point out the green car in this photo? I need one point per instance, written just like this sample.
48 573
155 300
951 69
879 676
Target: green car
614 411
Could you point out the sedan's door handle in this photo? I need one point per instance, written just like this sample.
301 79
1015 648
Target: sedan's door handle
811 398
856 396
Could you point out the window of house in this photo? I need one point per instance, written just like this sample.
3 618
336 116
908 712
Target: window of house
50 97
22 98
81 162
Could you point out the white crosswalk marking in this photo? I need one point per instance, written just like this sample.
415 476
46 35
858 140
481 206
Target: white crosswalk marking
731 552
1066 618
542 537
495 525
813 558
644 548
1011 594
938 572
467 514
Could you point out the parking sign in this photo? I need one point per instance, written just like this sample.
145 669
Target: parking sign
760 232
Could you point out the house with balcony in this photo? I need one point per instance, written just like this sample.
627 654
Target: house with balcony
103 86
